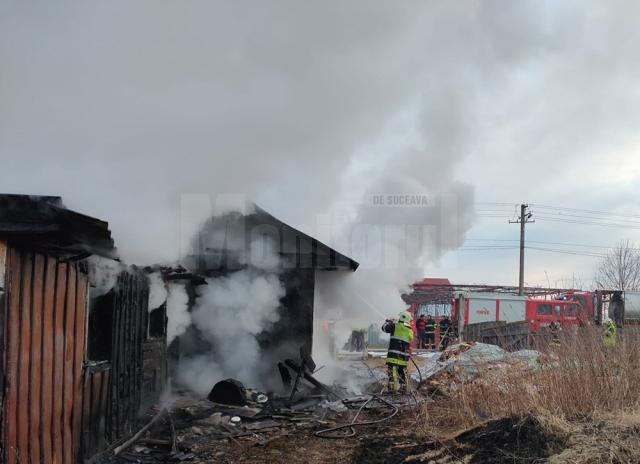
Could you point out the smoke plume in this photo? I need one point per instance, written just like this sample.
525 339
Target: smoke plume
327 114
103 274
157 291
178 315
231 312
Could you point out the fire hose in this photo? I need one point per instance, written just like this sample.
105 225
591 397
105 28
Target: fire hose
326 433
419 373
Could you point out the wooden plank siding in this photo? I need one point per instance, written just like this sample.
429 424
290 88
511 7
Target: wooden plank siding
10 406
48 348
57 407
95 397
35 382
45 332
3 347
129 332
154 370
58 361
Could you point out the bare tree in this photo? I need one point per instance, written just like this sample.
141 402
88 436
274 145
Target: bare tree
619 269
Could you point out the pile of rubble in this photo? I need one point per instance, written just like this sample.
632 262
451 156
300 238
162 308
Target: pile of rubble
204 430
468 362
200 430
195 430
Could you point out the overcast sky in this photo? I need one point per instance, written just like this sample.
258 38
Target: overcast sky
310 108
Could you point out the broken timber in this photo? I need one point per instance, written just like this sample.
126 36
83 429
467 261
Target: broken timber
135 438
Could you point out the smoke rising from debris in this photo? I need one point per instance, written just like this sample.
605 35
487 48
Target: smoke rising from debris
178 315
279 98
103 274
215 98
312 110
157 291
230 312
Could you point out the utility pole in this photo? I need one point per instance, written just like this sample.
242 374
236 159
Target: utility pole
522 220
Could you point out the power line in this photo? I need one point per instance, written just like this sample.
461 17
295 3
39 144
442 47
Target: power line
591 212
581 245
612 225
587 211
563 215
495 203
488 247
569 252
572 220
485 249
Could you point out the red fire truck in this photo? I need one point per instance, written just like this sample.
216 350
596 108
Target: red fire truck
468 305
487 307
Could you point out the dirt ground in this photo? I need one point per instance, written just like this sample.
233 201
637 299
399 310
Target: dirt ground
401 440
507 440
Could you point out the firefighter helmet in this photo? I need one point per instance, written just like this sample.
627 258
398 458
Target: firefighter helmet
405 317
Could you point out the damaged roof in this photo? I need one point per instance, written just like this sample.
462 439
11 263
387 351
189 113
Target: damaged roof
330 258
44 223
224 235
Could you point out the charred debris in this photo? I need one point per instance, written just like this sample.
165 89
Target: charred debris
85 359
201 430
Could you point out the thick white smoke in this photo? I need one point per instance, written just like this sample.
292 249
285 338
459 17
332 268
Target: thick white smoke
230 312
103 274
178 316
398 230
157 290
295 104
200 372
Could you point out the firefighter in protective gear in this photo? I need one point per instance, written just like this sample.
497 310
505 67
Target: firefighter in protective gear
555 329
399 351
445 332
609 334
430 333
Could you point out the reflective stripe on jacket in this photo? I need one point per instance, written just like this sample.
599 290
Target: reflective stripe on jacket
610 334
401 337
430 326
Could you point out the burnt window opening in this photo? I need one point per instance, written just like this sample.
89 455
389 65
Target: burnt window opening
100 333
158 322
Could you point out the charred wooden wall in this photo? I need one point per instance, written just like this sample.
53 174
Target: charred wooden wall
294 328
129 333
154 351
154 376
44 342
94 408
118 390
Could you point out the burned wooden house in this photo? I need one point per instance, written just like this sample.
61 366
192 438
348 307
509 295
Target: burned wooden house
82 353
77 366
221 248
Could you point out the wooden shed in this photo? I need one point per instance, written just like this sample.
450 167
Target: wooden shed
72 366
301 256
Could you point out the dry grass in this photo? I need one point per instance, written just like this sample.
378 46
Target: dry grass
580 380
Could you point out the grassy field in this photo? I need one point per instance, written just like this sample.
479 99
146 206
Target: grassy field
581 405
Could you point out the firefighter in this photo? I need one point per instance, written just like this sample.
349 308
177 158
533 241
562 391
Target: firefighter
420 327
430 333
398 354
609 334
445 328
555 333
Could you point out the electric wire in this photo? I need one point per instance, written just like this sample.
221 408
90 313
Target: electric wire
568 252
585 211
544 242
